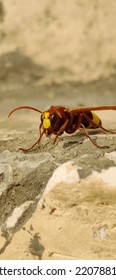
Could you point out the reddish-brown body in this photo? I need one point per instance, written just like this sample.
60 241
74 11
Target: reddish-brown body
58 119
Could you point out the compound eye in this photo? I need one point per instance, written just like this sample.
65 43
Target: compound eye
53 118
42 118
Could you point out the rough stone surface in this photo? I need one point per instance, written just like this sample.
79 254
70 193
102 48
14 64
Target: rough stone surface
76 221
83 202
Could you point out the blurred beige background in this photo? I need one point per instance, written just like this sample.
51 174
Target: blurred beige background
74 39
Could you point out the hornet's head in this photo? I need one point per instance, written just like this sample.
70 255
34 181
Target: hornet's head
50 120
45 119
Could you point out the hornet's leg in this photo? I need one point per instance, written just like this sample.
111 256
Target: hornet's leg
37 142
88 136
62 129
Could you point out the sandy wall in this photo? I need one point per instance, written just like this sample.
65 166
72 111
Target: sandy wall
74 39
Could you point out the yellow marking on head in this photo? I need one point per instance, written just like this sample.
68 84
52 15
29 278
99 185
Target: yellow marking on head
95 119
46 120
46 115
